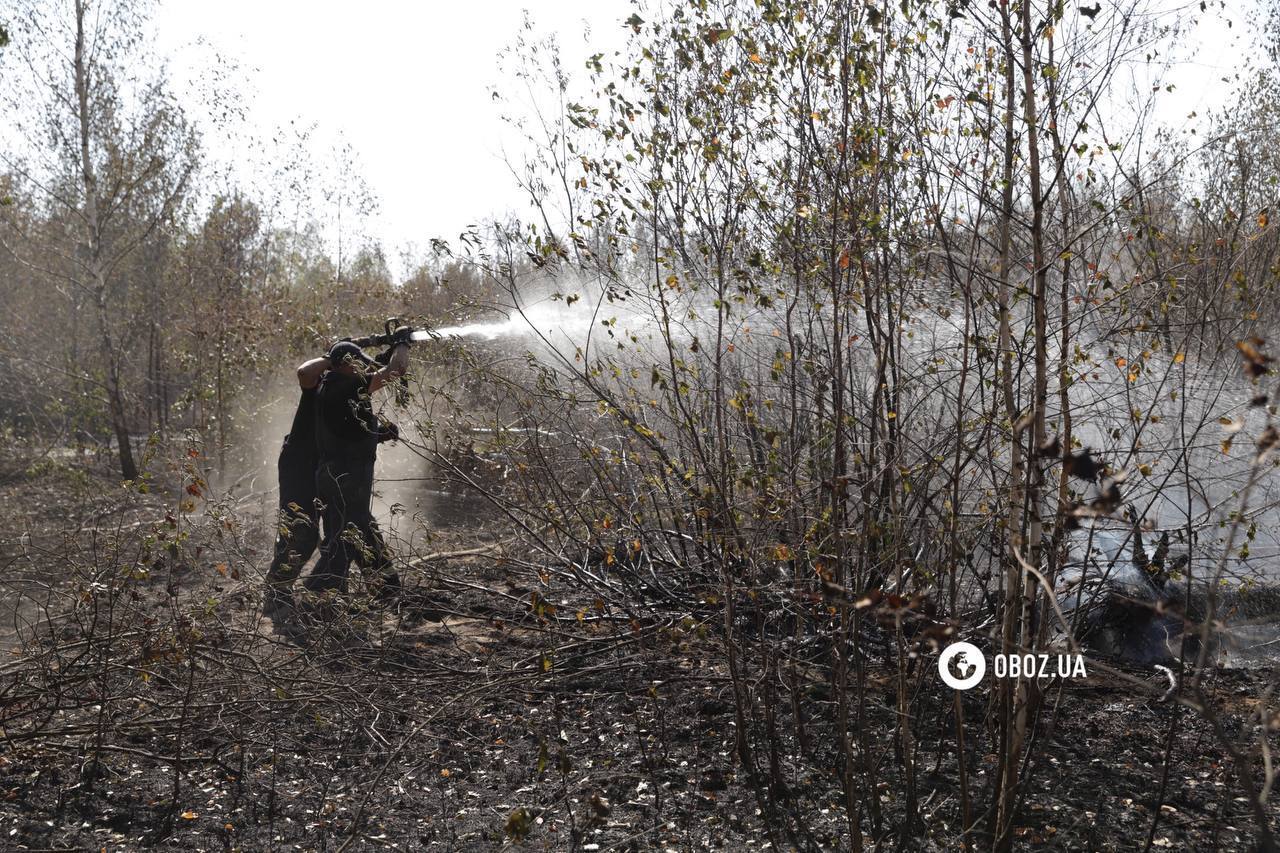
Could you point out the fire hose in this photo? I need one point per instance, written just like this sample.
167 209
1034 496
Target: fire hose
395 331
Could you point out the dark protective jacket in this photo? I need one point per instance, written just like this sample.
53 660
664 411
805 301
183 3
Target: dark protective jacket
300 443
347 430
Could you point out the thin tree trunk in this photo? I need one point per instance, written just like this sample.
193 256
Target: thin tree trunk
1009 692
93 227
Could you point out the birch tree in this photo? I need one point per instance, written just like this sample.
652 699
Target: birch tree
101 140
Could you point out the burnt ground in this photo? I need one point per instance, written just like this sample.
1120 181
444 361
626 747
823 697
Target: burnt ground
147 703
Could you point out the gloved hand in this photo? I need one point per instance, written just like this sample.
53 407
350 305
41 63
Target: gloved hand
388 432
384 357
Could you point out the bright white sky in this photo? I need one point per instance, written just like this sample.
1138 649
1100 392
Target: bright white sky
405 84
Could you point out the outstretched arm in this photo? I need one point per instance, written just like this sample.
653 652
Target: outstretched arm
309 372
398 366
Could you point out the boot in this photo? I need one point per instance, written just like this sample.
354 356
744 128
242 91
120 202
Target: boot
389 589
278 601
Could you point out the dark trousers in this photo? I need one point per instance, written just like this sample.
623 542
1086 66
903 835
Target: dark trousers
299 518
345 489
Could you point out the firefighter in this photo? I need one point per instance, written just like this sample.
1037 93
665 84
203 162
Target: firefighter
348 433
299 519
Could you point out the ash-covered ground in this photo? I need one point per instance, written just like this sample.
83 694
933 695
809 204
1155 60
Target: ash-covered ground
147 703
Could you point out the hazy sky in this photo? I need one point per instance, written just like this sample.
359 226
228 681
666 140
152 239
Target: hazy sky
406 85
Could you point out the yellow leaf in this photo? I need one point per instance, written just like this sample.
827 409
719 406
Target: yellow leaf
188 815
755 57
1178 358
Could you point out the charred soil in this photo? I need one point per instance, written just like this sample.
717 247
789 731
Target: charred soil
147 702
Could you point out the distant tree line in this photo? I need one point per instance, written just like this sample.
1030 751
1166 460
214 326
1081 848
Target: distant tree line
139 292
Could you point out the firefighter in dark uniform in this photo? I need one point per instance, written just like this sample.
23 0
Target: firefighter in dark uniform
299 519
348 433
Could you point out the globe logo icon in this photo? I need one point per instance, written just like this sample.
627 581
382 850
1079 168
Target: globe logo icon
961 665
